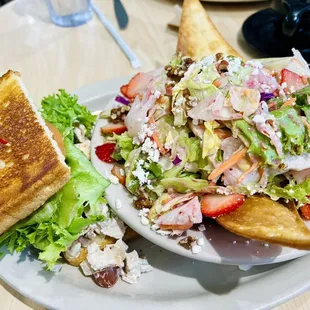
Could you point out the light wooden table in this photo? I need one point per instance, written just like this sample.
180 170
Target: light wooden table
50 58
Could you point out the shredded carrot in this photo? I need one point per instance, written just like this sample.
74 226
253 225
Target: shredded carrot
245 173
216 83
222 133
289 102
227 164
155 137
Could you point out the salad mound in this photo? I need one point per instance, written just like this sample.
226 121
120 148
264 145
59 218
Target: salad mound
195 139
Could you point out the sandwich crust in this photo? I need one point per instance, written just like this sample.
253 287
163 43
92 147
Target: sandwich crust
198 37
32 168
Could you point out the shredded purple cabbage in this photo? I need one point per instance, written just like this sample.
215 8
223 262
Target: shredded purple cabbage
122 100
177 160
266 96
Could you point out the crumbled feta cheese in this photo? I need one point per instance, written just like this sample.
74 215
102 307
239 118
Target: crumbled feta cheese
196 249
163 232
234 64
145 131
202 227
200 241
155 227
122 172
113 179
292 89
141 175
266 245
150 148
118 204
206 61
144 220
144 212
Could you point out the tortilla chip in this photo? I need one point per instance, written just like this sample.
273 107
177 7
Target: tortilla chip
198 36
269 221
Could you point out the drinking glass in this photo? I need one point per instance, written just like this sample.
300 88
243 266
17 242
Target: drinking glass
69 13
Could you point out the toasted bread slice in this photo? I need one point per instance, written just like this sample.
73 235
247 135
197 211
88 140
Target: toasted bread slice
32 167
198 36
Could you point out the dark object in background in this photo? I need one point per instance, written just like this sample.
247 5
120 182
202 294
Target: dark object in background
275 34
121 14
2 2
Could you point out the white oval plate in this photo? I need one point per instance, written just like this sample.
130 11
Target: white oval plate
176 283
220 247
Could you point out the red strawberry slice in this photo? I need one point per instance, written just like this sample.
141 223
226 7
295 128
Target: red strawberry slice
291 79
2 141
117 171
305 211
215 205
137 85
113 128
105 151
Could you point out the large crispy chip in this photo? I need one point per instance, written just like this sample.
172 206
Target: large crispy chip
269 221
198 36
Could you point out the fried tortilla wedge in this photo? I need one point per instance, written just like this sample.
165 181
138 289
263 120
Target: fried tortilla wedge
263 219
198 36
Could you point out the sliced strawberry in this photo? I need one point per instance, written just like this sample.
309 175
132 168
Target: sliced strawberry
291 79
118 129
305 211
105 151
2 141
137 85
120 174
215 204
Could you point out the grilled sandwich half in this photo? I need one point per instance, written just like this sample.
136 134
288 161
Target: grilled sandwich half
32 167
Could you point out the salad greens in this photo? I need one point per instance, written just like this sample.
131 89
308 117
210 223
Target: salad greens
62 219
63 111
220 125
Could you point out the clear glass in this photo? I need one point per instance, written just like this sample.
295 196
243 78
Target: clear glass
69 13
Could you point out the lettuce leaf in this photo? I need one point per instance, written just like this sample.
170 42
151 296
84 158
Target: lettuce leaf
124 146
210 142
258 144
63 111
60 220
293 131
291 191
182 185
